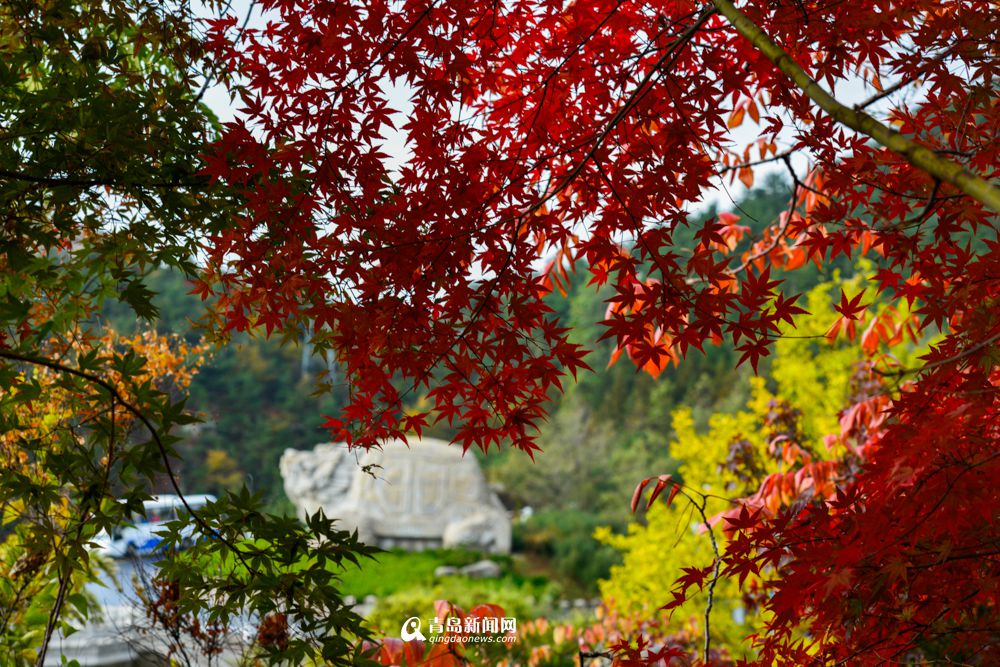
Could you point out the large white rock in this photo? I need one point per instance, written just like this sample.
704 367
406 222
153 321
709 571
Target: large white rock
421 496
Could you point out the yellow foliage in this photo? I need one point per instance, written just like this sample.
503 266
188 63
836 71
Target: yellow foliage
222 470
170 361
813 376
170 365
810 372
674 537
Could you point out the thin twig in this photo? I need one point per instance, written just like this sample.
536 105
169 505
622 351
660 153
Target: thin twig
754 163
715 572
214 69
783 229
64 582
932 201
883 94
941 362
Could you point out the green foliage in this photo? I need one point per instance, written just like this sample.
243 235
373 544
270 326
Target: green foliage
564 474
287 576
405 585
565 537
102 126
522 599
27 596
393 571
256 400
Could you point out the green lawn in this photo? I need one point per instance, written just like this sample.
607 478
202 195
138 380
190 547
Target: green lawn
398 570
405 586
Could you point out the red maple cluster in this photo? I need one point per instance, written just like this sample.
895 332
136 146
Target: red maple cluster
551 133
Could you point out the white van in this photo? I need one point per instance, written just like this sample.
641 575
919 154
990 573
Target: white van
143 536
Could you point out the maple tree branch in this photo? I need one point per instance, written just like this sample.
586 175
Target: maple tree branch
899 85
671 53
8 613
50 626
378 60
932 201
883 94
783 228
941 362
607 655
640 237
754 163
916 154
711 585
65 578
920 521
66 571
213 71
896 193
164 455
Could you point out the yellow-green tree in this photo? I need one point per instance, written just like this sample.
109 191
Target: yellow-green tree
809 382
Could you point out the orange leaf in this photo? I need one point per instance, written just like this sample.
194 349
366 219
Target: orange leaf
487 611
617 352
874 334
442 655
391 652
736 118
842 325
796 258
443 609
746 176
673 494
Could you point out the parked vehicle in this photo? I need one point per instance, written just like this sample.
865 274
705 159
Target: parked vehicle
143 536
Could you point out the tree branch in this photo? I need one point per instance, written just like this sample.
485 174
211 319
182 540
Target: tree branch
164 455
754 163
715 574
58 181
64 582
916 154
583 655
941 362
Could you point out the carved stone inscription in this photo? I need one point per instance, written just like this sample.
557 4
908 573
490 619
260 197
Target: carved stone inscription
424 495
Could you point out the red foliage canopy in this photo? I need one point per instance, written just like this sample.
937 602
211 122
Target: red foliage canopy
542 133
